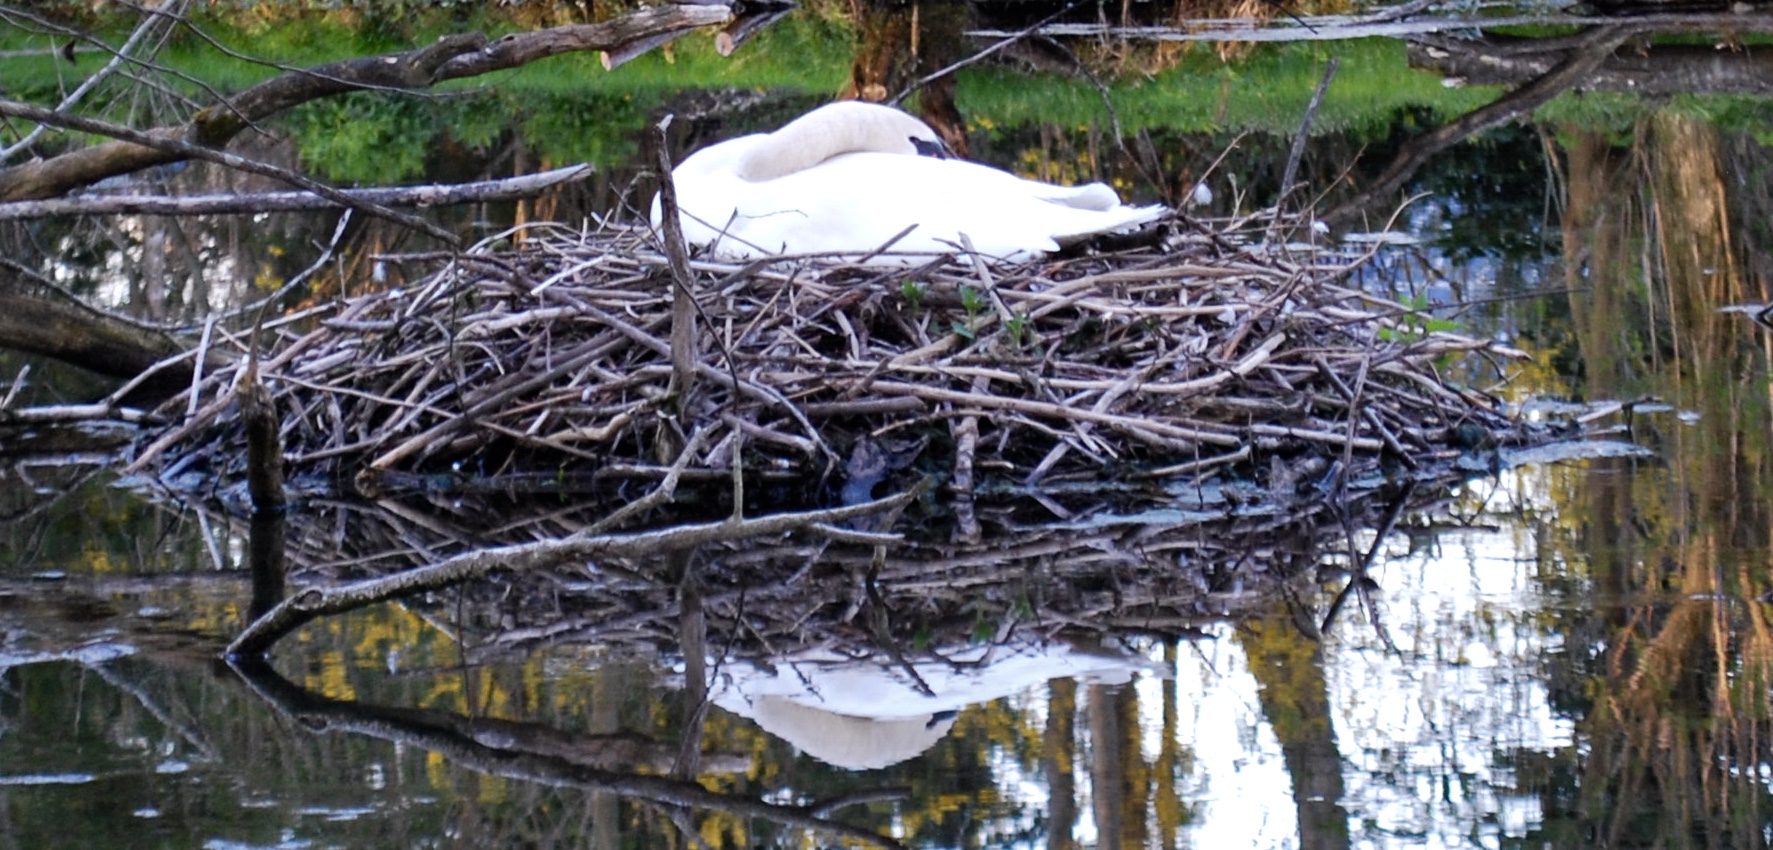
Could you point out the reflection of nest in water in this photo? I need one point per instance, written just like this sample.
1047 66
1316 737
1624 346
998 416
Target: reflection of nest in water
1163 573
547 368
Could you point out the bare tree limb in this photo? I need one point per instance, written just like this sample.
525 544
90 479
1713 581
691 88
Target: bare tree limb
90 339
518 49
179 149
403 196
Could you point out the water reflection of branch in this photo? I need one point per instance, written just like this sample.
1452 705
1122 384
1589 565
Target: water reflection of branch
1359 582
192 734
311 604
459 739
1298 150
1595 47
1008 39
43 500
1645 71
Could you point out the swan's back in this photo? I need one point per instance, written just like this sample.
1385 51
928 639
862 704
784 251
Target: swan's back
848 177
846 126
855 203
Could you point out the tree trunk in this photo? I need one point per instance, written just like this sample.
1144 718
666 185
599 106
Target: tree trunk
91 340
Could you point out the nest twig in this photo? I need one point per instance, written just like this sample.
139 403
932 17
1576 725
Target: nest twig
547 367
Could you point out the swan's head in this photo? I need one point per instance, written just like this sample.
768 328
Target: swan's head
847 126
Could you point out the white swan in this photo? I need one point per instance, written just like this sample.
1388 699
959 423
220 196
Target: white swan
848 177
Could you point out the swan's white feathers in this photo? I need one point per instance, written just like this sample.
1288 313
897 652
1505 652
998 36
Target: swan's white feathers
846 179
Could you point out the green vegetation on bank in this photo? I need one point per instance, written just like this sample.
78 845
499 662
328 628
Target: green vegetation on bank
570 109
1265 91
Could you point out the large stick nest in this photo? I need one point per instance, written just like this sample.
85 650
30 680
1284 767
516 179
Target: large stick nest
547 366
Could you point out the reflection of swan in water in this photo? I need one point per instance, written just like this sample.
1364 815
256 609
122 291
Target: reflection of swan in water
869 713
848 177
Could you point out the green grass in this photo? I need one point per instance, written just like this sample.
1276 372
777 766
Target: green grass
1265 92
570 109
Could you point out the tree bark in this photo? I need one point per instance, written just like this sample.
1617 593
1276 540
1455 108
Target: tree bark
85 337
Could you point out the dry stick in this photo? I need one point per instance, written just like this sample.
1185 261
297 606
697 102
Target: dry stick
73 413
1144 428
1187 467
145 375
292 613
683 301
1351 427
1298 150
238 163
885 246
18 383
659 495
338 234
1367 413
752 429
414 196
197 367
966 443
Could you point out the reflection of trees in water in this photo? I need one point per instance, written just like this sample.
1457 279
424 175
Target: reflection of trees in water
1675 695
1295 699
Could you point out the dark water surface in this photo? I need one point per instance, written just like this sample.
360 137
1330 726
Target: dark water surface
1565 655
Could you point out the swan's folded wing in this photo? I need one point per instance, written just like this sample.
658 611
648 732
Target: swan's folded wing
1095 197
1125 218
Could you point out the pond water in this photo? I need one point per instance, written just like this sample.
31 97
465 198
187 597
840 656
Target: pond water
1559 655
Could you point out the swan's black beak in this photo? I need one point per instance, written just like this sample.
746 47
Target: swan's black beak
930 147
